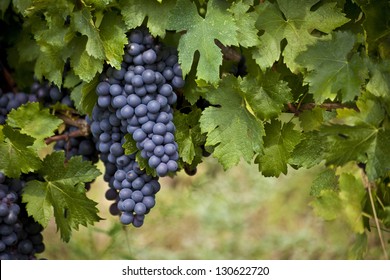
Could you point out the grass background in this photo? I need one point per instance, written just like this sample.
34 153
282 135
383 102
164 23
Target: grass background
238 214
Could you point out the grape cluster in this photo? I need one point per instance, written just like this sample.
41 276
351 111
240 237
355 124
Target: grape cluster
137 99
20 235
10 100
49 94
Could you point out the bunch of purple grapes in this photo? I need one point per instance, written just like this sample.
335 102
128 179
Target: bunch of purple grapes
137 99
10 100
20 235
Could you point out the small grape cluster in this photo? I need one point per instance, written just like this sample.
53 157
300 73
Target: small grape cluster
49 94
20 235
137 99
10 100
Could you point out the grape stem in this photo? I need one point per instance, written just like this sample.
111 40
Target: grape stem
66 136
309 106
8 78
228 53
369 186
84 129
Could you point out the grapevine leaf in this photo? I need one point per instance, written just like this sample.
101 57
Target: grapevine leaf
34 121
266 94
309 152
376 22
313 119
293 21
327 205
38 201
279 142
247 32
361 130
331 72
85 97
83 23
60 191
201 34
231 128
326 180
359 247
84 65
351 195
134 13
379 84
17 155
49 64
113 34
129 145
188 136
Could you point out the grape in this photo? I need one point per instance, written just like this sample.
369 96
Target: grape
134 49
140 208
149 202
153 106
137 81
141 110
148 76
55 94
128 205
165 90
159 129
119 101
103 88
126 218
149 56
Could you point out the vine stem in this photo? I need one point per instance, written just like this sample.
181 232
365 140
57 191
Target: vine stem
369 186
83 129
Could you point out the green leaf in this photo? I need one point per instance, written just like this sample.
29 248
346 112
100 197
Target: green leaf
351 195
294 22
313 119
359 247
134 13
129 145
266 94
60 194
332 72
279 142
17 155
327 205
376 22
83 23
361 130
379 84
49 64
85 96
246 32
84 65
326 180
231 128
34 121
188 136
113 35
310 151
201 34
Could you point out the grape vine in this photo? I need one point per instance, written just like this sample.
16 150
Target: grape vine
149 88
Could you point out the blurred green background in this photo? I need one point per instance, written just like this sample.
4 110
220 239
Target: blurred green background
237 214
